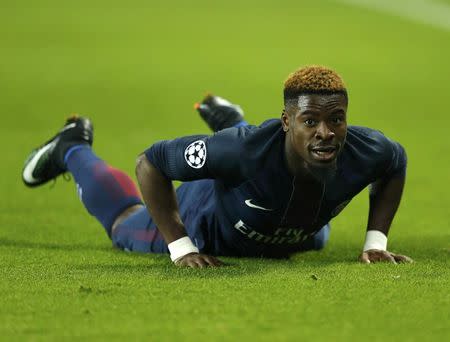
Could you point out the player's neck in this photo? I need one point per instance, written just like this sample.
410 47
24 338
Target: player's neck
296 165
304 172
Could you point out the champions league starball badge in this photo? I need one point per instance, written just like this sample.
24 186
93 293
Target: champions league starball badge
195 154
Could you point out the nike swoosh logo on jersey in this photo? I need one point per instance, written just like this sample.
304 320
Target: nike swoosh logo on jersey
251 205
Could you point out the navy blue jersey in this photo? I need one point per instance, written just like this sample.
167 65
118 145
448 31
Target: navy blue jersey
256 200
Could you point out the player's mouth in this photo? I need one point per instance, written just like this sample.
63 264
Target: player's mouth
324 153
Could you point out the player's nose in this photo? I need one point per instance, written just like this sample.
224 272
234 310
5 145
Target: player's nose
324 132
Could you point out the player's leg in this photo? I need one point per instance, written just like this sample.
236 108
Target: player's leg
138 232
321 237
219 113
318 240
105 191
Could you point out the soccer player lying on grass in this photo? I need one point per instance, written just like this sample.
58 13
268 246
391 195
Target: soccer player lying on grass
249 191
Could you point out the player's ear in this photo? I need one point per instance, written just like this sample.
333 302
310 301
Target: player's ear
285 120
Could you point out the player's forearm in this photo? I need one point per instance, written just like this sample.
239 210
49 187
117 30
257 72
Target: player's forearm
384 201
160 199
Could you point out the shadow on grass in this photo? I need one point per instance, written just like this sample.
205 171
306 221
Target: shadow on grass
160 265
51 246
337 255
151 262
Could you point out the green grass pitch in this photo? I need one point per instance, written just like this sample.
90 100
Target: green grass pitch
136 68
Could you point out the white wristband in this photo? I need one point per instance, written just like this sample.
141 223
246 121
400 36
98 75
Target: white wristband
179 248
375 240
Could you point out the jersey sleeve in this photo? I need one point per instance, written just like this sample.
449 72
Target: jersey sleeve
198 157
393 158
398 162
373 155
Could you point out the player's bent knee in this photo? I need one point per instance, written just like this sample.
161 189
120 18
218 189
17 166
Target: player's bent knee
125 214
321 238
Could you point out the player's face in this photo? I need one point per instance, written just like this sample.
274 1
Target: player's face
316 128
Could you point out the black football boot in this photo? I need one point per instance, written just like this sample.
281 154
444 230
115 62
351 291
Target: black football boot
219 113
46 162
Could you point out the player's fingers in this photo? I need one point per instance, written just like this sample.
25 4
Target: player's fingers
364 258
201 262
212 261
218 262
386 256
374 255
402 258
184 263
192 264
179 263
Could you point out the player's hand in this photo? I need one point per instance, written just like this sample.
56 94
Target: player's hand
196 260
375 255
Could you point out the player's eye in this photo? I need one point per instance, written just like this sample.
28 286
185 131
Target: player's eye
337 120
310 122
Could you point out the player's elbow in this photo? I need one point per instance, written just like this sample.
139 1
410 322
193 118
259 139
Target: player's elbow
145 169
398 163
401 163
402 154
142 166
